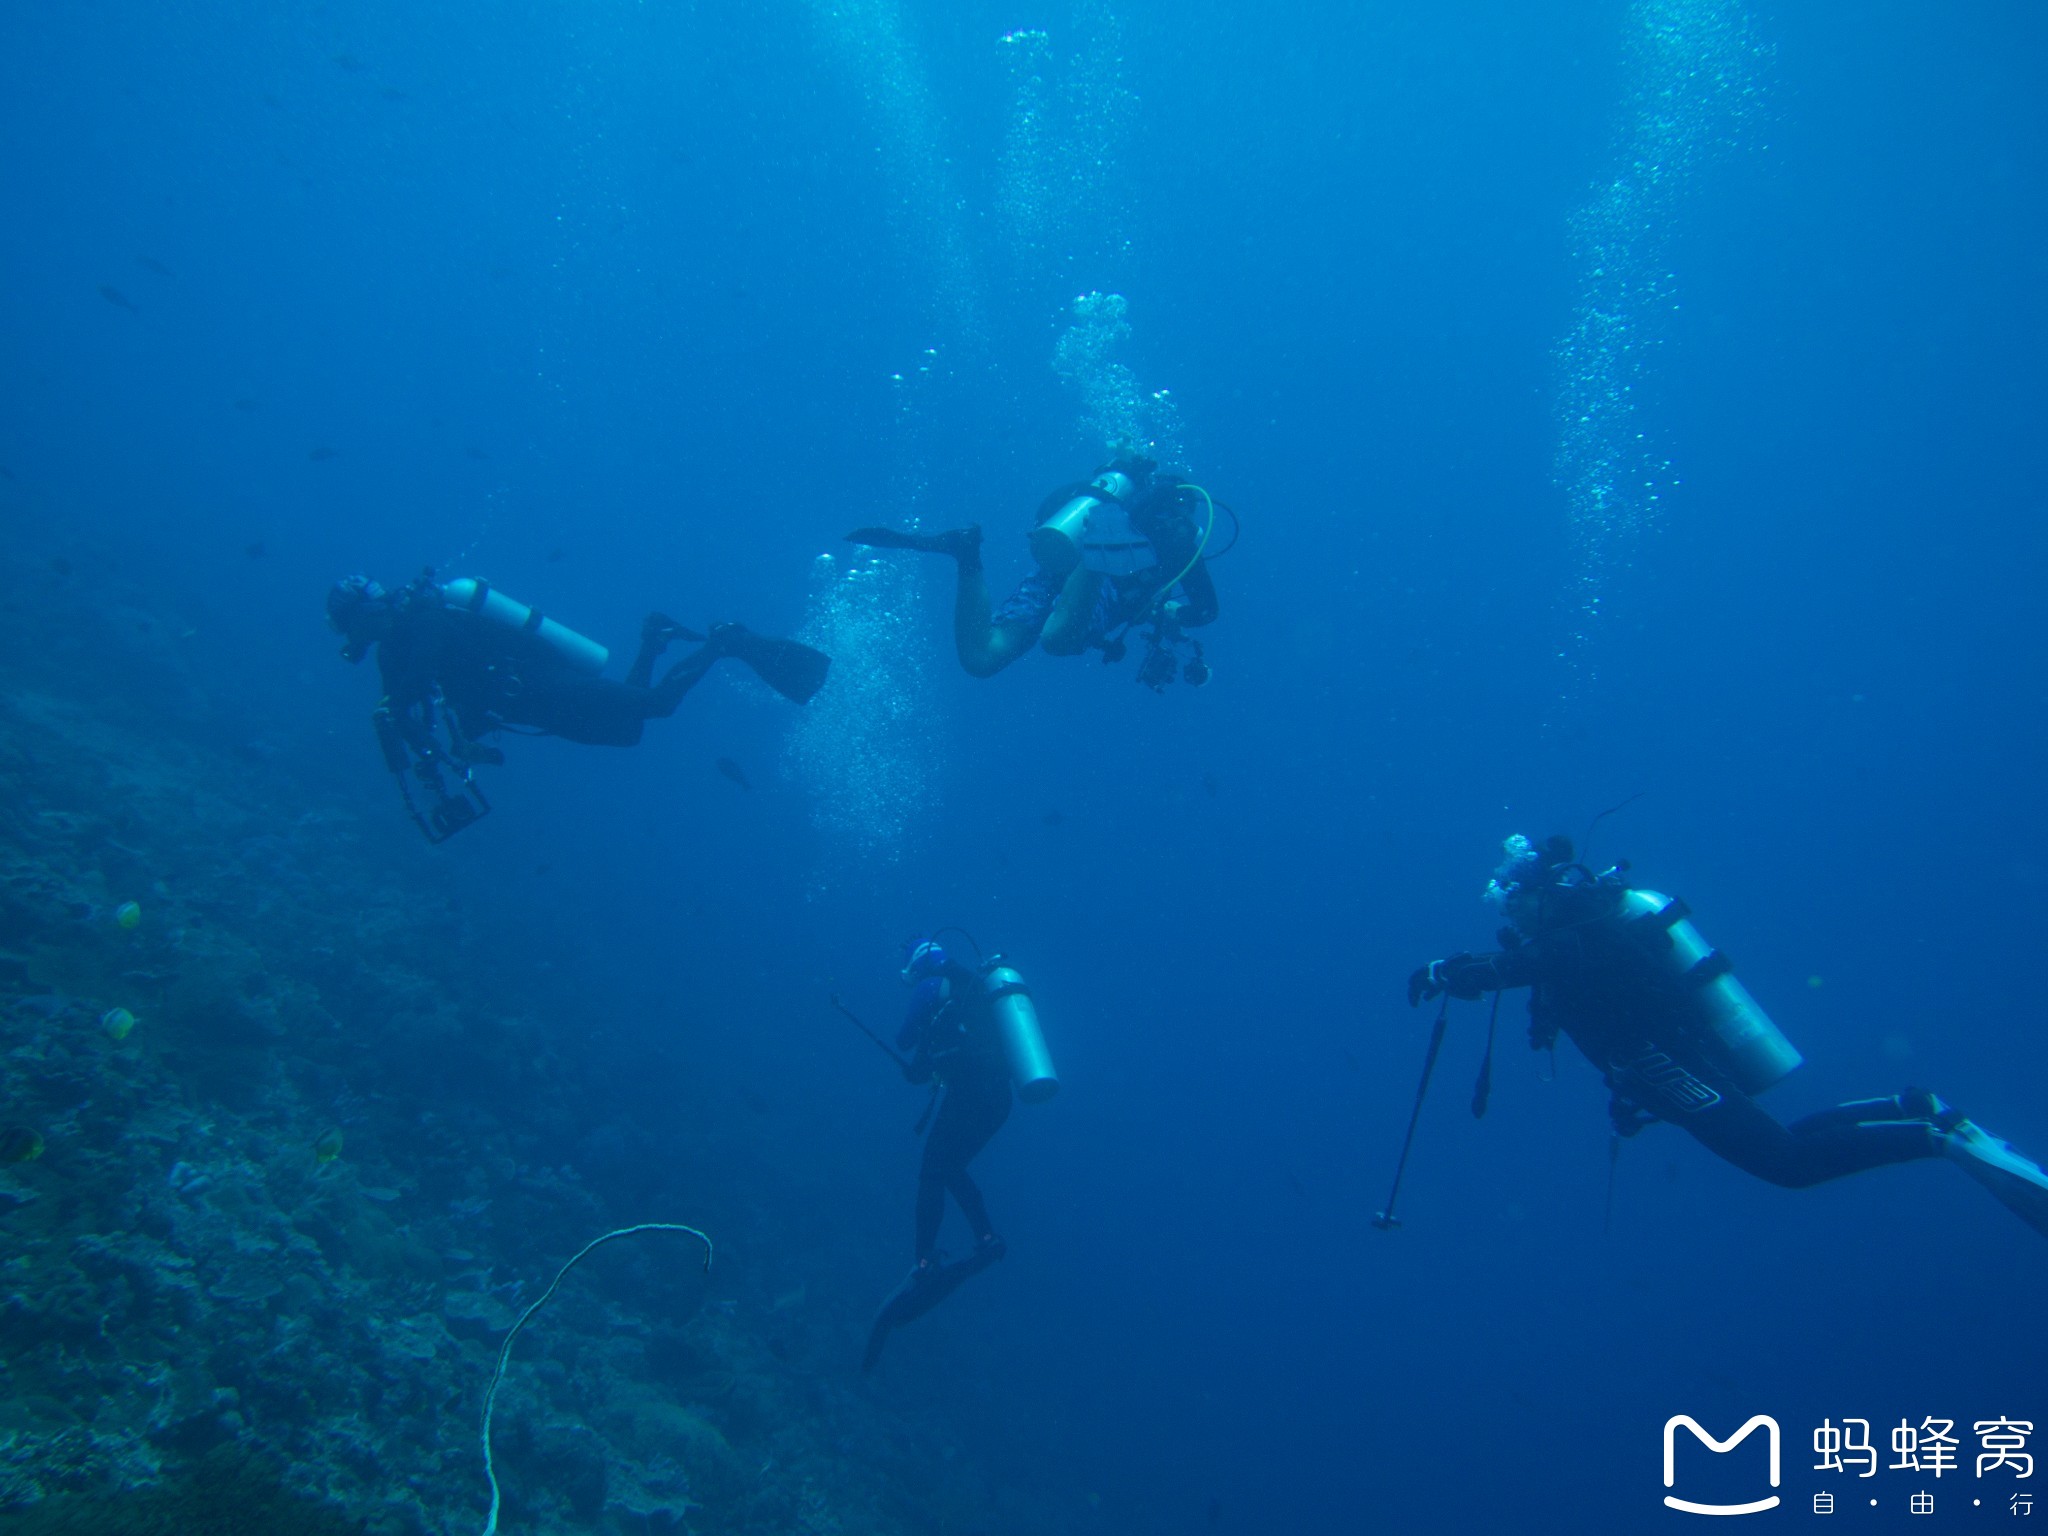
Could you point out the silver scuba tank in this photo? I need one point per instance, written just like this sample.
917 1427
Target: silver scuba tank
1727 1025
1095 531
471 596
1023 1041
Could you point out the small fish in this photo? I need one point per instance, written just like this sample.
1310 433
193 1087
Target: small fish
245 404
350 62
61 566
733 771
320 453
6 473
393 93
1054 818
151 264
254 549
117 298
474 452
19 1144
328 1147
1209 783
555 556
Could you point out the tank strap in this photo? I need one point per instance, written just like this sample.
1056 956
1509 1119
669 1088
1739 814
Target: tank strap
1674 912
479 596
1008 989
1709 968
534 620
1103 493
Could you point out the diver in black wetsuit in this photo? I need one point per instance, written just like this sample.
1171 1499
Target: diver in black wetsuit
466 660
1626 976
1127 550
951 1033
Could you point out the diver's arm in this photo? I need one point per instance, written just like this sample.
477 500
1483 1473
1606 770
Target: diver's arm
407 724
1506 969
1472 976
927 1002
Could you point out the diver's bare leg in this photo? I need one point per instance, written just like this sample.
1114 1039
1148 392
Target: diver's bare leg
1066 629
985 647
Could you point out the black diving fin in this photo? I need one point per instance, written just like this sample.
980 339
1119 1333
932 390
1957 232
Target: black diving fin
922 1292
791 668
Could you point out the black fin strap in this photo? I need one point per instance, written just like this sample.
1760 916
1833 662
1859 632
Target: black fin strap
1667 917
1709 968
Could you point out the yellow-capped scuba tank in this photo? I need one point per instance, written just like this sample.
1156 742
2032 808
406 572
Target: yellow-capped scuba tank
1016 1017
468 595
1094 529
1728 1027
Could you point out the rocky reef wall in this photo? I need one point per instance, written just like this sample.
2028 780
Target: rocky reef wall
290 1146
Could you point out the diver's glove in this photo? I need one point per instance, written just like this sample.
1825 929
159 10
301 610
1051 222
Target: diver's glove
1455 974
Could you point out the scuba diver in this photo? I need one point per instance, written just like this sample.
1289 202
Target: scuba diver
1126 550
1623 972
971 1031
465 659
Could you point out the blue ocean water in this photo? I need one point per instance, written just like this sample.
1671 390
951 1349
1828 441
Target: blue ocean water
1618 399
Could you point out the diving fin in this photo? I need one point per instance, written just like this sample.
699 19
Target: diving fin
790 667
893 538
924 1290
2017 1182
960 543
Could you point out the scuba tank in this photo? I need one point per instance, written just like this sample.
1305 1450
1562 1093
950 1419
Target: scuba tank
467 595
1094 529
1023 1041
1727 1026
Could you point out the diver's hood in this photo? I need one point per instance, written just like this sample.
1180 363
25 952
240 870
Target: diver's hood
928 958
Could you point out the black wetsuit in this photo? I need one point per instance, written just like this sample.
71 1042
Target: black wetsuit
1598 978
951 1034
489 677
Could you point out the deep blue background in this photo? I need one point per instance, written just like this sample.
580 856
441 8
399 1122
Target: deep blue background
604 305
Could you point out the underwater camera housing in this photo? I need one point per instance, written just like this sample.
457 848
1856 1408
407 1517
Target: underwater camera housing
450 813
1159 668
1162 663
